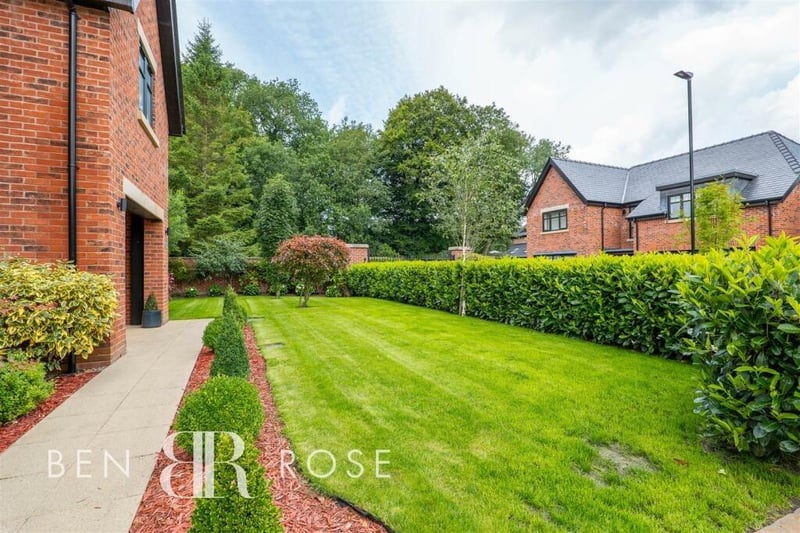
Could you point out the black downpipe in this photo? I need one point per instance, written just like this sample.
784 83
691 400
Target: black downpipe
71 147
603 228
769 218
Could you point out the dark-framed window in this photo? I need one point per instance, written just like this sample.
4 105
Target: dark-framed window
631 229
554 220
146 73
680 205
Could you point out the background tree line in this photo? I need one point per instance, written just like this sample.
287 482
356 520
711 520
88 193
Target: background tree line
258 163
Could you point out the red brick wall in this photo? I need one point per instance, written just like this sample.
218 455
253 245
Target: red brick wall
134 155
583 221
786 215
359 253
111 143
663 235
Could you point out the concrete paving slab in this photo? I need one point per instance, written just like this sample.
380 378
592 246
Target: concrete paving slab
788 524
125 411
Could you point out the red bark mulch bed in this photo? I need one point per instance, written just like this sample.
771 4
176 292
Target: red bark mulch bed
158 511
302 509
65 386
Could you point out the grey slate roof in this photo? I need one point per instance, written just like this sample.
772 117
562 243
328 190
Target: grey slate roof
518 250
772 158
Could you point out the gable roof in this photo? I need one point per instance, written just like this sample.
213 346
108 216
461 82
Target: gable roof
768 163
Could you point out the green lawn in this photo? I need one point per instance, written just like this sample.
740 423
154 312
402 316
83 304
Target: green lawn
494 428
185 308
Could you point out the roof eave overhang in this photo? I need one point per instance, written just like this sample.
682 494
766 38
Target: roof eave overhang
171 65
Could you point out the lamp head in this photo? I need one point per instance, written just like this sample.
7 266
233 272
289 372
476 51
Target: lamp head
684 75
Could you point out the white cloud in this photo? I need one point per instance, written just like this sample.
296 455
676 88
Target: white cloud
337 111
611 94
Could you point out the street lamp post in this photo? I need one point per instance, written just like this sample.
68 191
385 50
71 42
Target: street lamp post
684 75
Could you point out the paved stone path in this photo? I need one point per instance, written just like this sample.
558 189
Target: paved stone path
118 420
788 524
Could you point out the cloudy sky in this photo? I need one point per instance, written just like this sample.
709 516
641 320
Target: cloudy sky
594 74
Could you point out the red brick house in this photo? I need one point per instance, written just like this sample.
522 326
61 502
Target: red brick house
90 91
579 208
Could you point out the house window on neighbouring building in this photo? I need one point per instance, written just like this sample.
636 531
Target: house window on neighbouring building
680 205
146 73
554 220
631 229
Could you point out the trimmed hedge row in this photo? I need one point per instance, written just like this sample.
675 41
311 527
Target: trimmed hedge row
224 336
233 405
625 301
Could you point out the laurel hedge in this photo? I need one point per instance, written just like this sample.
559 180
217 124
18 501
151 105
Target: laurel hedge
743 311
625 301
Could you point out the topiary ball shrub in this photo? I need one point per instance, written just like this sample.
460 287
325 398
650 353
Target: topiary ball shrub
230 356
22 388
743 311
211 333
223 403
229 510
191 292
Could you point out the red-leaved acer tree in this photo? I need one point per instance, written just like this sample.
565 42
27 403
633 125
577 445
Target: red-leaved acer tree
311 261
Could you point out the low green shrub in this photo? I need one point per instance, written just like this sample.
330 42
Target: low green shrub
625 301
22 388
191 292
223 403
229 510
251 289
211 333
230 356
215 290
333 291
743 311
48 311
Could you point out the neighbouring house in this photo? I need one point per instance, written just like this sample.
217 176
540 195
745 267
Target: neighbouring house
579 208
90 91
519 244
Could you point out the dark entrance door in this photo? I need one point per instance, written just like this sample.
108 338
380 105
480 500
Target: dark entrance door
136 256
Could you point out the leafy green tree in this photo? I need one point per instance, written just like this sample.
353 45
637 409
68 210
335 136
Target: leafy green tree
538 154
343 174
264 159
476 189
282 112
277 215
222 257
718 216
205 163
178 223
419 129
